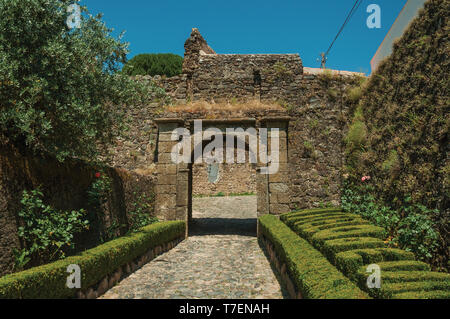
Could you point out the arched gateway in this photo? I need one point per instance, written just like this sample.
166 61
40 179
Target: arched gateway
174 172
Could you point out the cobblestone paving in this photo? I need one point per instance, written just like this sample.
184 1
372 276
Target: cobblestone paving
220 259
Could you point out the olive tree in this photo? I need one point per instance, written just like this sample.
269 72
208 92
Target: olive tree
60 92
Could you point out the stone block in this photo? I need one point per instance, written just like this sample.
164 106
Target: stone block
164 201
165 137
165 158
278 209
273 198
166 147
278 188
167 128
181 212
280 177
103 286
167 169
166 189
182 194
91 294
167 213
283 198
167 179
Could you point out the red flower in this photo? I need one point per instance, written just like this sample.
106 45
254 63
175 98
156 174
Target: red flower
97 175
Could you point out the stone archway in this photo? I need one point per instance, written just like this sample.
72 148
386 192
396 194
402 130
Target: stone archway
174 181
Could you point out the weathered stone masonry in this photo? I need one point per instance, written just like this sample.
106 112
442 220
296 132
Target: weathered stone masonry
313 121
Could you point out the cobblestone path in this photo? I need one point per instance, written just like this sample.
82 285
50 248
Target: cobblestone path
220 259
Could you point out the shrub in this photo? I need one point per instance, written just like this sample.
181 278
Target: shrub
415 283
392 162
47 233
410 227
154 64
49 281
352 247
354 94
314 276
141 214
61 83
357 135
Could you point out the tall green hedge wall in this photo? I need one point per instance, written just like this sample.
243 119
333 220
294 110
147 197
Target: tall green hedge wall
399 134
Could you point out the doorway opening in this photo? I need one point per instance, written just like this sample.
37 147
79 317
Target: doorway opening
223 196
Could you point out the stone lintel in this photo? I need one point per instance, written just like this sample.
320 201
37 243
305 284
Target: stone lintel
247 120
276 121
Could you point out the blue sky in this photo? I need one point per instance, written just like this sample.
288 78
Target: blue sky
306 27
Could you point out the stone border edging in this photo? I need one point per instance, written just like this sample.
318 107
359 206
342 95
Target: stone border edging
124 271
280 266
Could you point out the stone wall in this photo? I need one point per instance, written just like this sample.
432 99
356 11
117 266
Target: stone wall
65 187
264 77
319 117
313 99
231 179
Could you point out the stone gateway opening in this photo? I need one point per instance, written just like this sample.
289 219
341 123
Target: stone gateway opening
224 194
180 183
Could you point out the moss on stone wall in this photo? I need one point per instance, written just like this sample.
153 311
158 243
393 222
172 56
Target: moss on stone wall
405 109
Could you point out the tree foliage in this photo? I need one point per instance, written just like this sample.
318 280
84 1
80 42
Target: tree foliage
154 64
60 91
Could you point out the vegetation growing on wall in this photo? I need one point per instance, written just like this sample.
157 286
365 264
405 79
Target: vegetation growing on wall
399 133
167 64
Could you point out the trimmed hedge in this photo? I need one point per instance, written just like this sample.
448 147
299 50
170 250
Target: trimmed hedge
313 275
49 281
352 243
402 282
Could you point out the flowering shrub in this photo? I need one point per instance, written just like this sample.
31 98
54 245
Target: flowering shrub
98 194
47 233
410 226
99 190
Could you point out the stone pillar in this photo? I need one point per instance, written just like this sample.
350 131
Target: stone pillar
279 192
262 190
167 171
262 184
183 194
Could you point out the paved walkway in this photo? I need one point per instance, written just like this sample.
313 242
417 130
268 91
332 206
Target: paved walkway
220 259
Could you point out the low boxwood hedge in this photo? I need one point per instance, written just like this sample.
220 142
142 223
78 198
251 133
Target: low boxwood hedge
350 261
352 243
313 275
49 281
435 284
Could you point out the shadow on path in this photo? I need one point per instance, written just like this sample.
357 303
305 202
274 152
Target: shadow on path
223 226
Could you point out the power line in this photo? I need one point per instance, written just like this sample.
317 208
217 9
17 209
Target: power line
347 20
349 16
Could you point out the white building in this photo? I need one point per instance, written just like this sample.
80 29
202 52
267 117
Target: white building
408 13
